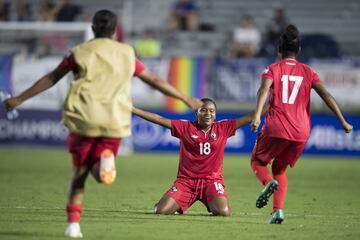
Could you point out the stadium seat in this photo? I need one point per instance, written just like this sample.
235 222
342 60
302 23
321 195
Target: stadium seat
319 45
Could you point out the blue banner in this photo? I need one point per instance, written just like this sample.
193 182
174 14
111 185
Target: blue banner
44 128
327 136
5 72
33 127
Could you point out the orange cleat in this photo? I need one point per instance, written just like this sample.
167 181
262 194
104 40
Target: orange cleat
107 167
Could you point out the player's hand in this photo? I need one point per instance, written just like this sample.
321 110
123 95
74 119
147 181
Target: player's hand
347 127
11 103
255 123
194 103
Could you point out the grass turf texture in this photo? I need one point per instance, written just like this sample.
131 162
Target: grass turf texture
322 201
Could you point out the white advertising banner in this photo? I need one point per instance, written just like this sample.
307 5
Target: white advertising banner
26 73
342 79
234 81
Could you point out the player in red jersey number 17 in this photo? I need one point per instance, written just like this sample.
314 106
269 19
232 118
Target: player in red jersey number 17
287 124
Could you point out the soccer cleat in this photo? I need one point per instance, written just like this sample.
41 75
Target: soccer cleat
73 230
277 217
107 167
266 193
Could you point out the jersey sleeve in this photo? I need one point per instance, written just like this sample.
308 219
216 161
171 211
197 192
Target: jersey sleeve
178 128
139 67
315 77
267 73
228 127
68 63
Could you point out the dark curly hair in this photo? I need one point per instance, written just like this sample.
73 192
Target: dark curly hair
289 40
209 100
104 23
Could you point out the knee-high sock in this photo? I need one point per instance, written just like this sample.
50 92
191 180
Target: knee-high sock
260 170
74 212
280 194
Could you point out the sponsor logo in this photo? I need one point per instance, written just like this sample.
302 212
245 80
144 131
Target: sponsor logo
33 130
328 138
174 189
194 136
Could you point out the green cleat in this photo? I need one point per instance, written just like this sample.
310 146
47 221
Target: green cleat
266 193
277 217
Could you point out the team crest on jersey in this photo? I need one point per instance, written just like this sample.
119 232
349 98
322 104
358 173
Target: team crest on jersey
213 136
174 189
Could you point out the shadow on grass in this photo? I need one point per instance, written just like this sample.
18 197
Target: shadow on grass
26 234
141 215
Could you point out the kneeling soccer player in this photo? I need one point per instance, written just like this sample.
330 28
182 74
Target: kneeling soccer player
200 174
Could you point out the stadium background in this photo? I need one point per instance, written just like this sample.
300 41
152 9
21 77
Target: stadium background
197 62
322 200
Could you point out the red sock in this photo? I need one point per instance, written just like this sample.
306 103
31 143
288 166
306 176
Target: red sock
261 171
280 194
73 212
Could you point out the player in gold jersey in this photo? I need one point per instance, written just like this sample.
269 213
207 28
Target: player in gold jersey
97 110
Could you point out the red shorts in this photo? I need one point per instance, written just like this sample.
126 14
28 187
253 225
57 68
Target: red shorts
268 148
86 151
187 191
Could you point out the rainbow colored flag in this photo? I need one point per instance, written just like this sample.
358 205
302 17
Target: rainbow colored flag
189 76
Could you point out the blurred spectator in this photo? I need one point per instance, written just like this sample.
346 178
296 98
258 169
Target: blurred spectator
23 11
147 45
4 11
184 16
47 11
68 11
274 29
246 39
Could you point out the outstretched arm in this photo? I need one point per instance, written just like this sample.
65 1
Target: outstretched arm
331 103
260 102
240 122
152 117
166 88
41 85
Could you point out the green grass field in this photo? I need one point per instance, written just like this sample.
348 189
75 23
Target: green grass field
322 201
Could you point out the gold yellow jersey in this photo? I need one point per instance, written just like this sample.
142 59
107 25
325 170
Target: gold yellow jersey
99 100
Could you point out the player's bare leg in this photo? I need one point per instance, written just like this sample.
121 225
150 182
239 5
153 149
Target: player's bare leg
219 206
166 206
95 172
75 199
77 185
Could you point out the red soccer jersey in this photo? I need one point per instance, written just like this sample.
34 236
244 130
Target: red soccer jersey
289 99
202 153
